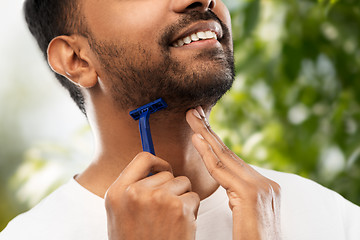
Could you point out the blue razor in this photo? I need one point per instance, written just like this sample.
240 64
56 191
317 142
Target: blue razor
143 114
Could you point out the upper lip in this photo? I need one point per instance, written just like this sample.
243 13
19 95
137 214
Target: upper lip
200 27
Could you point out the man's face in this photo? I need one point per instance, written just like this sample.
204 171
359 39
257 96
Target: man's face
162 48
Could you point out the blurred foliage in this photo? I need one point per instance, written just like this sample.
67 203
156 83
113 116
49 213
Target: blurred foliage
295 105
32 165
12 144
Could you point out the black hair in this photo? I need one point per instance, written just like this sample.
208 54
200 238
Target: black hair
48 19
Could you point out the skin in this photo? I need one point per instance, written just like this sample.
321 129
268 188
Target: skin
191 160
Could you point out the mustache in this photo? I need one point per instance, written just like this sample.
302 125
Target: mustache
187 19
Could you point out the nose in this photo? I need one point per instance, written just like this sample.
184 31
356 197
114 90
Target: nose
181 6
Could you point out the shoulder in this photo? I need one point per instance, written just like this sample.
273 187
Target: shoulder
292 182
313 211
303 190
64 214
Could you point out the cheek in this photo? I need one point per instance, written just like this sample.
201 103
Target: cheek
223 13
128 21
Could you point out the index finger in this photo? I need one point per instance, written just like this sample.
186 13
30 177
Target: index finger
140 167
199 125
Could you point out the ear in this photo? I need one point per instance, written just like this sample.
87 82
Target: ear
68 56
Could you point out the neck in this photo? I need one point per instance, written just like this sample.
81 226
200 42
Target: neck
117 141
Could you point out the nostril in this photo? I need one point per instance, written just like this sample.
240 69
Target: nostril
211 5
202 5
195 5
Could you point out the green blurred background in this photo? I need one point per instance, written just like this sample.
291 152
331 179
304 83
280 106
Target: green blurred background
294 105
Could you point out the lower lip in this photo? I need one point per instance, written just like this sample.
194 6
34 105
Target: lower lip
201 44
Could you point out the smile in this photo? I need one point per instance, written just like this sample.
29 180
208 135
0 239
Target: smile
200 31
198 36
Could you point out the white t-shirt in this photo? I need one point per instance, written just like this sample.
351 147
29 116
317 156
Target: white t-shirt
308 212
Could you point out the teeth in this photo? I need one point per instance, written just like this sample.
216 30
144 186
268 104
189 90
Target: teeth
187 40
209 34
181 43
201 35
195 37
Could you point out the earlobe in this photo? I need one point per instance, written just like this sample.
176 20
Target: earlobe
67 57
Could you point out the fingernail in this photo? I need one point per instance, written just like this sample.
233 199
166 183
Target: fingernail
196 113
201 111
206 122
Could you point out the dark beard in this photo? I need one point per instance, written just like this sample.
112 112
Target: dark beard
137 80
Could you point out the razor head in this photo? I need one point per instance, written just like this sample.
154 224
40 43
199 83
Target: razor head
150 107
